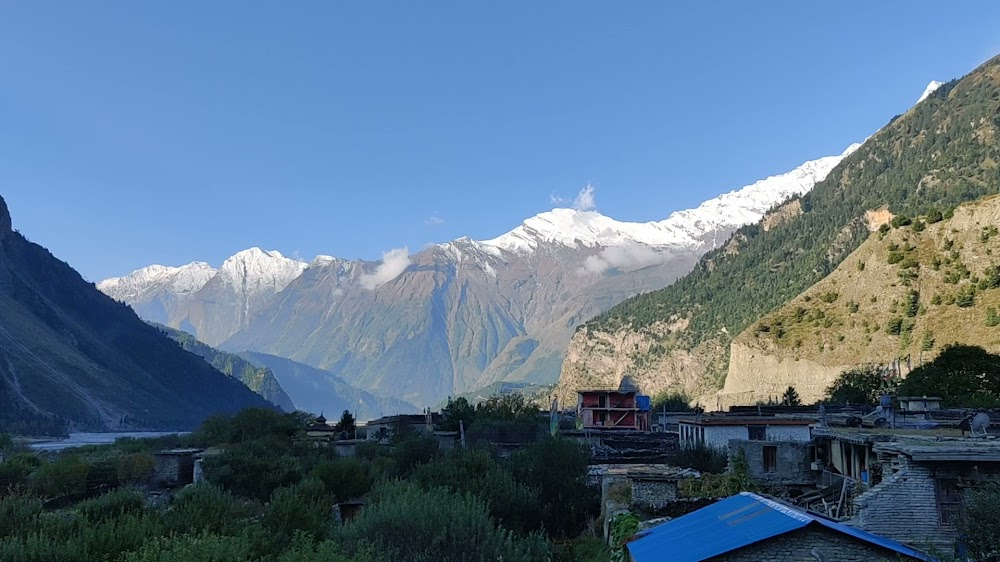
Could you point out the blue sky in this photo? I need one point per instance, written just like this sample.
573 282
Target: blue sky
165 132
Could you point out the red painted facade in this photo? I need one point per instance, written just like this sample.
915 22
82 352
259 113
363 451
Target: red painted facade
611 409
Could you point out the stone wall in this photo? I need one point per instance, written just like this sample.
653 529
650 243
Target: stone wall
797 546
793 458
653 494
903 507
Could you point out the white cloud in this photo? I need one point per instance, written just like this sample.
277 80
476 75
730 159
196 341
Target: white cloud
394 263
556 200
434 220
629 258
585 200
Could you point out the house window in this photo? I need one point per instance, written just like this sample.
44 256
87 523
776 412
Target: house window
949 500
602 401
757 432
600 417
770 458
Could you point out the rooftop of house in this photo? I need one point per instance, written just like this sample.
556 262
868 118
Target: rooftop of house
746 420
404 418
736 522
943 449
644 471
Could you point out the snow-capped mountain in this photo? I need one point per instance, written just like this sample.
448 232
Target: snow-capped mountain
455 316
213 303
690 229
930 89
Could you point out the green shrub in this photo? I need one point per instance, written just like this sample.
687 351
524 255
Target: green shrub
61 478
556 470
410 524
18 514
475 471
209 509
190 548
305 507
135 468
345 478
15 470
111 505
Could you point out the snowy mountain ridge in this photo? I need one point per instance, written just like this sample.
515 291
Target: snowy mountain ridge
682 229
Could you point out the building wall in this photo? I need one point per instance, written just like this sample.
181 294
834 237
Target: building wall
788 433
655 494
793 466
903 507
719 436
797 546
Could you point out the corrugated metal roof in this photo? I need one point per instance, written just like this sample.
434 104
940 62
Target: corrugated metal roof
734 523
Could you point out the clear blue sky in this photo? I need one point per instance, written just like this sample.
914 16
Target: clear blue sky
165 132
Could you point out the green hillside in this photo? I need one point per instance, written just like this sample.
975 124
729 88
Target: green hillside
905 293
939 154
259 379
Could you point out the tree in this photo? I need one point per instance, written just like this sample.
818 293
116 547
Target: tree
672 402
861 385
346 424
457 410
509 407
791 397
963 375
979 524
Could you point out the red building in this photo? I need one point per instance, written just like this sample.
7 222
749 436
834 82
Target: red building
622 408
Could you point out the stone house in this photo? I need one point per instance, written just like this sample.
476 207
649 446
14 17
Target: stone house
920 494
751 528
174 467
788 463
718 431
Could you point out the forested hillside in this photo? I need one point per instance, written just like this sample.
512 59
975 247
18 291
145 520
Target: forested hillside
258 379
941 153
915 286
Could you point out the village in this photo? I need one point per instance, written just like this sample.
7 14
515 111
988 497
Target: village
820 483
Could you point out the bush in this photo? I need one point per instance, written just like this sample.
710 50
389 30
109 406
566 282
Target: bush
111 505
475 471
979 524
305 507
556 470
702 458
15 470
62 478
188 548
345 478
409 524
135 468
255 469
209 509
18 514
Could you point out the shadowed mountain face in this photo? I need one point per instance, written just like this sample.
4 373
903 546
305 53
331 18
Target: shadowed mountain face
258 379
70 354
321 392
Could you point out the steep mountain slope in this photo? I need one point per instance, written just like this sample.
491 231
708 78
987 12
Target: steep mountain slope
69 353
940 153
904 294
318 391
258 379
461 315
211 304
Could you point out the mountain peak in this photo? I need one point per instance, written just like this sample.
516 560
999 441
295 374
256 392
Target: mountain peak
930 89
4 217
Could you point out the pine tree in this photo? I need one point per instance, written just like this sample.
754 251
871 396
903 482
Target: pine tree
791 397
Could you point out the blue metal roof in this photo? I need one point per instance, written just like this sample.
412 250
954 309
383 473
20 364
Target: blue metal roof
734 523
